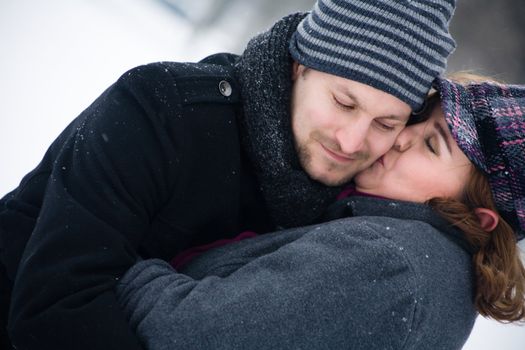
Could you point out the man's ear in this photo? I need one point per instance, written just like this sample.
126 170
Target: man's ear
488 219
296 70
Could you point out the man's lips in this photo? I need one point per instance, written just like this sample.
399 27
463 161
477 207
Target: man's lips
337 156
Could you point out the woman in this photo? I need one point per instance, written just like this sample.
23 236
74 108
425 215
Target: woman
434 223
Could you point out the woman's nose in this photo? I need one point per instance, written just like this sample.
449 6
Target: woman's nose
404 140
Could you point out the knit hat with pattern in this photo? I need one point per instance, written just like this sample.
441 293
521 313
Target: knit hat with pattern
397 46
487 120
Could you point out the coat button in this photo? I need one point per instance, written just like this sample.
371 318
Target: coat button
225 88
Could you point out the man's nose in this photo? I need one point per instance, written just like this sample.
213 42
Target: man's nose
352 136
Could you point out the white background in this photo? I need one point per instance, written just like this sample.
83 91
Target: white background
57 56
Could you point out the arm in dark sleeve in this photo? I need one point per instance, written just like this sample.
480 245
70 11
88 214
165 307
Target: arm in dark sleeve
326 290
112 171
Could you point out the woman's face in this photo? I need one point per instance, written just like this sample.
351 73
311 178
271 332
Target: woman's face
424 163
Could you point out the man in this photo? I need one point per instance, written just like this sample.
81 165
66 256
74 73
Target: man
176 155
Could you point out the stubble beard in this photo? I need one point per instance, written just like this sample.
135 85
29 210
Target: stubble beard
306 161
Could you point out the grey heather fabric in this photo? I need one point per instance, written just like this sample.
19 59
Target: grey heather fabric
398 47
366 282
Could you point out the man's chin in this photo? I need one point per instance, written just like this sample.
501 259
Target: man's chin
327 174
332 180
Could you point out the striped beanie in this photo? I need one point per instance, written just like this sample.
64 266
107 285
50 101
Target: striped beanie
487 120
397 46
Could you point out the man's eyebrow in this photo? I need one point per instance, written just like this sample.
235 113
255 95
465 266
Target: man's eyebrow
444 135
394 117
391 116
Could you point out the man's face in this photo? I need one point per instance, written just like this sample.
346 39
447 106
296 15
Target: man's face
341 126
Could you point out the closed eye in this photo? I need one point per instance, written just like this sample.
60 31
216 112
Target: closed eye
429 145
343 106
384 126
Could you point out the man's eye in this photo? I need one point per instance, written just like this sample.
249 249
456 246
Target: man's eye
346 107
385 126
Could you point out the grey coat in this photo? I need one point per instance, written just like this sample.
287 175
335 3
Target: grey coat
393 276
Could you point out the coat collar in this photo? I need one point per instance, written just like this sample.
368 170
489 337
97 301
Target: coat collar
374 206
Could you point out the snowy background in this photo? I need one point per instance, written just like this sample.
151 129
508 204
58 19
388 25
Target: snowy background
57 56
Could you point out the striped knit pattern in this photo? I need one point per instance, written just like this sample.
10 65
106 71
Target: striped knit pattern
398 47
487 121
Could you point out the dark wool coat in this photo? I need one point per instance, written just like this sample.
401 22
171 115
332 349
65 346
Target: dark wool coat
392 277
152 167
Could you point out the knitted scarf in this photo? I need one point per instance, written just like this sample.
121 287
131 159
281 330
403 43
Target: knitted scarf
264 72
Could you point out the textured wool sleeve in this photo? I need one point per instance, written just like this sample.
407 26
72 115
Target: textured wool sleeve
329 289
112 170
